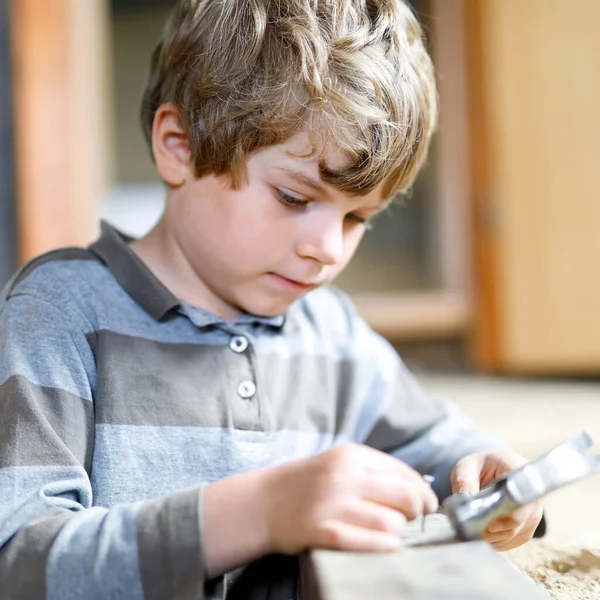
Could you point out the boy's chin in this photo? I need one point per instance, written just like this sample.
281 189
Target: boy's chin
267 309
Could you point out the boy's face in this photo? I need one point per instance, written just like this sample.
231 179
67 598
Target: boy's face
284 233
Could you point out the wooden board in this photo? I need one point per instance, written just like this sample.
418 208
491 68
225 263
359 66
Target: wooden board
433 567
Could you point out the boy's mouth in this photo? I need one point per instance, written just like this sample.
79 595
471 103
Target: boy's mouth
292 284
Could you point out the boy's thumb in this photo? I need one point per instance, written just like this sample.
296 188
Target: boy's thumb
465 477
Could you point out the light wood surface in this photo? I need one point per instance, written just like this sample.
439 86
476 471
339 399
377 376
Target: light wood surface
60 57
541 91
425 570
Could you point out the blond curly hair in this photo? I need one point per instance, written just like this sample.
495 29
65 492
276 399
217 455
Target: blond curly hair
247 74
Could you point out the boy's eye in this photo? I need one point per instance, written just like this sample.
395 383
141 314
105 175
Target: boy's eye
366 222
290 201
295 202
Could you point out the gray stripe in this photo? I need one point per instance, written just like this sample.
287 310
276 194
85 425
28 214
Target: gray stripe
169 547
56 255
45 342
154 461
44 426
24 559
143 382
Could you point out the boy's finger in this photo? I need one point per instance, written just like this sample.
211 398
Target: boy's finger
516 520
382 462
504 537
385 465
412 499
336 535
374 516
466 475
507 523
500 537
521 538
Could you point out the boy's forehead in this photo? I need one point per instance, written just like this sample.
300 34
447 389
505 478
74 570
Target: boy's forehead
314 146
302 152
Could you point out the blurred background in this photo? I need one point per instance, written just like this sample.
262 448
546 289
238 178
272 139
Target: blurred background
486 278
489 265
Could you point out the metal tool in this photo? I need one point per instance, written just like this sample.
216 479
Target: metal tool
429 479
566 463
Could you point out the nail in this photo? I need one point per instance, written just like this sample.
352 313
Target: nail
429 479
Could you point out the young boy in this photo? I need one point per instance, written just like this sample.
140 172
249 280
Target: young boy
177 407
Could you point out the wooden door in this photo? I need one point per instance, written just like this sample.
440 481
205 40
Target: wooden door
535 107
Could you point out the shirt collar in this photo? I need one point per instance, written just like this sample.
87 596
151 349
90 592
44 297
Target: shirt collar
204 318
132 274
148 291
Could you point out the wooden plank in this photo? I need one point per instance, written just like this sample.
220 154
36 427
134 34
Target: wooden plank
61 133
430 567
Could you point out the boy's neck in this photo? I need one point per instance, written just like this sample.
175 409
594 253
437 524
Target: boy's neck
161 253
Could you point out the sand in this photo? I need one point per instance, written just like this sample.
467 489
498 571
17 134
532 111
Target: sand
564 569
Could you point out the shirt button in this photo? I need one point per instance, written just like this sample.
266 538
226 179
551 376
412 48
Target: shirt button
246 390
238 343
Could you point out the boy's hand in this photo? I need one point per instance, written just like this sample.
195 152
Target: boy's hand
349 498
478 470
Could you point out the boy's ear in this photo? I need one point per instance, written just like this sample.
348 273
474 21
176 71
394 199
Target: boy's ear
170 146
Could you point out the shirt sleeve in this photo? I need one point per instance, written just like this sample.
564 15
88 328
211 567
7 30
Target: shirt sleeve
400 418
54 543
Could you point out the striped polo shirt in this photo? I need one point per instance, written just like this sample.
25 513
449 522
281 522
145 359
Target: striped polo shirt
118 401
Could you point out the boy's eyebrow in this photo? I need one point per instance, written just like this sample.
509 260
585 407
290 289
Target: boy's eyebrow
305 179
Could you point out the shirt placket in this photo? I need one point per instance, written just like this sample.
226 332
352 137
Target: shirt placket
247 390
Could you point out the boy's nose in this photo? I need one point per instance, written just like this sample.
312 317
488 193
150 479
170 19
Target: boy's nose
326 246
